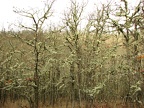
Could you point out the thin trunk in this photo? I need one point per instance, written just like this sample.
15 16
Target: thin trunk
36 75
72 85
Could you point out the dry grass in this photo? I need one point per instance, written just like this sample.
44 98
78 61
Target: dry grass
117 104
16 104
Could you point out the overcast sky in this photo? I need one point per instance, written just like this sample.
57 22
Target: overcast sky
7 16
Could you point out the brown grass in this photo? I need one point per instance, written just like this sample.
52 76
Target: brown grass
118 104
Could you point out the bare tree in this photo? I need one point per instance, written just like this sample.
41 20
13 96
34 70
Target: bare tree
72 21
35 43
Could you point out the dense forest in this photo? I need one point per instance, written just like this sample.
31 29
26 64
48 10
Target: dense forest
99 65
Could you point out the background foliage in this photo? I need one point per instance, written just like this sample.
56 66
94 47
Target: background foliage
100 63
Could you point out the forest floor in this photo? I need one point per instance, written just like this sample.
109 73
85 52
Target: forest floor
24 104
